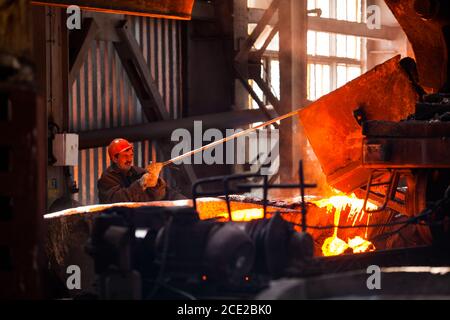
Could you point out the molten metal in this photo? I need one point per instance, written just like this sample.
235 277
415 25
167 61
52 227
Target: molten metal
333 245
358 245
241 215
247 214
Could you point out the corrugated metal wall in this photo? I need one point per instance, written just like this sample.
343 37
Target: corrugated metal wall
102 97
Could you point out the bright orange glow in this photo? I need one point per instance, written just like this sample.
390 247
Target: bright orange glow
341 202
156 9
247 214
333 246
242 215
358 245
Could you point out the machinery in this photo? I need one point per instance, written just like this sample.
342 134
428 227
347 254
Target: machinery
394 136
169 252
392 126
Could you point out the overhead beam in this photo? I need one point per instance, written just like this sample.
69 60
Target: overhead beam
164 129
79 44
329 60
255 15
172 9
353 28
335 26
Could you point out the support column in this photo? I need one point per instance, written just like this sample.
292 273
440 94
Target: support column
240 26
51 54
293 68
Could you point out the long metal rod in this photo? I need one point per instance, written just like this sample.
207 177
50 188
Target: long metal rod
233 136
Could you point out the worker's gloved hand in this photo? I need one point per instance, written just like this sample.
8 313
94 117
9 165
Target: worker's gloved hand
150 179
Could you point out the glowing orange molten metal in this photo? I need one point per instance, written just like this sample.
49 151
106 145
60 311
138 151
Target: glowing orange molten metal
358 244
247 214
333 245
241 215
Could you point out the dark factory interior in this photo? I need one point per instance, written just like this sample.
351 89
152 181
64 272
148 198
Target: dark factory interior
246 150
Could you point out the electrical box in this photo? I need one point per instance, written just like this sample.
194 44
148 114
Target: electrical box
65 149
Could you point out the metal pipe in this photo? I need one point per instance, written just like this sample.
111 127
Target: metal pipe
163 129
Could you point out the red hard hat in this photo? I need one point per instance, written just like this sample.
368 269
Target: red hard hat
117 146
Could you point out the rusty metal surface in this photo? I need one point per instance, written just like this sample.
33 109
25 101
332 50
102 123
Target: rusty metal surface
383 93
427 40
407 144
407 129
163 129
406 153
174 9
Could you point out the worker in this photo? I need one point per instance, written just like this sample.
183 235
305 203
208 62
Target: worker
123 182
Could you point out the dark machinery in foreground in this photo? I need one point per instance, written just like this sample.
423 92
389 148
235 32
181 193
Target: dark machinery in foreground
157 252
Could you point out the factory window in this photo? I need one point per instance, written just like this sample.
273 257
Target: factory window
318 80
334 59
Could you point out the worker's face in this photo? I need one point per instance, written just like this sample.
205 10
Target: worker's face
124 160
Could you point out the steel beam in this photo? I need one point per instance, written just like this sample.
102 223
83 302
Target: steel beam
358 29
244 81
172 9
242 60
79 44
164 129
139 74
145 87
262 23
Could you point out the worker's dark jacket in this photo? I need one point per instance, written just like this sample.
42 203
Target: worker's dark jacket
116 186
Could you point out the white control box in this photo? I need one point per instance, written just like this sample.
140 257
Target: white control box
65 149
